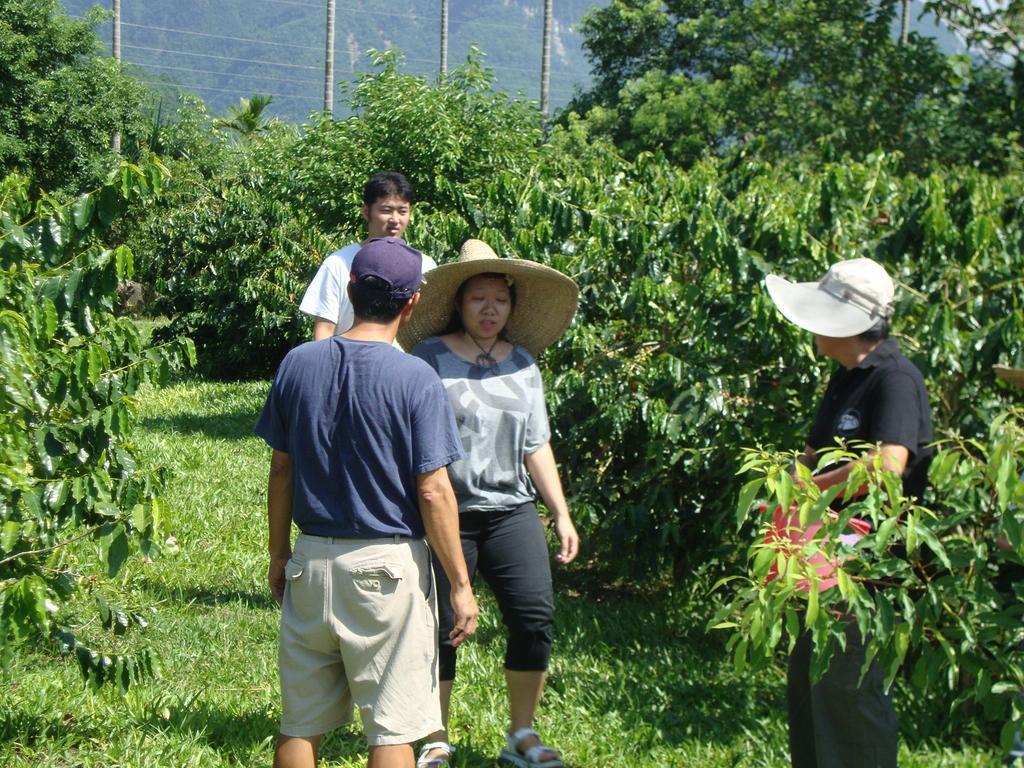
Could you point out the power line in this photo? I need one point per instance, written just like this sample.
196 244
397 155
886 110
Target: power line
220 37
223 58
529 70
351 9
227 75
234 91
269 42
365 11
431 62
291 2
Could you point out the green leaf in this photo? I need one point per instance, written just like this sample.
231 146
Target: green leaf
24 609
884 534
812 606
929 537
105 614
942 467
747 495
190 350
124 262
740 656
912 533
115 550
71 283
1006 481
784 490
9 535
96 364
83 210
142 517
843 582
109 207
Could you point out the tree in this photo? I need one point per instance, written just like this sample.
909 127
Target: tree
994 28
447 137
246 120
233 252
777 77
60 99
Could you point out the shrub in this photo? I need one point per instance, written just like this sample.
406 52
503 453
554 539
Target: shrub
935 589
69 369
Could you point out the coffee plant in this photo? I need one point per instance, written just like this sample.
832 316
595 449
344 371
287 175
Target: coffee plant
936 589
69 369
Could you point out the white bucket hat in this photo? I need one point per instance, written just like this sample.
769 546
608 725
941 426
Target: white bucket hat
851 297
546 299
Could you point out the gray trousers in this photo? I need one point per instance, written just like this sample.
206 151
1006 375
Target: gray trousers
835 723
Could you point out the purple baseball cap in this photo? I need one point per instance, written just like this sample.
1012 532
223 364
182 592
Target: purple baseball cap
392 260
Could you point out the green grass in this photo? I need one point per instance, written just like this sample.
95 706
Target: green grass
635 680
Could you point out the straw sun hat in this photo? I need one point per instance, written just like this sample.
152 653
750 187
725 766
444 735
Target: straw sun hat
546 299
1010 375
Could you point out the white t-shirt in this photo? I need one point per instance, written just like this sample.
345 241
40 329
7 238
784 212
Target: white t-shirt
327 294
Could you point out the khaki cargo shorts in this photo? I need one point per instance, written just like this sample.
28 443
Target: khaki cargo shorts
358 626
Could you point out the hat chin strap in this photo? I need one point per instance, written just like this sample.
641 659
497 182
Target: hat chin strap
861 300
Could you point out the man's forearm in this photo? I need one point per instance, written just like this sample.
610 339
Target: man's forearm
440 513
279 505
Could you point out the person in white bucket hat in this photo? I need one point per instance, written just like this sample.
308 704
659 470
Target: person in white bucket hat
874 396
479 323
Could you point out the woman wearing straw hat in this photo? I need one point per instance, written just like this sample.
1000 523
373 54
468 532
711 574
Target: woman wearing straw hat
480 322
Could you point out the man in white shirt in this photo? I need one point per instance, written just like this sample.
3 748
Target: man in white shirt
387 205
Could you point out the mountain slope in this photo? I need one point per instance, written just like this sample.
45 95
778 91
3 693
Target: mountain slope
225 49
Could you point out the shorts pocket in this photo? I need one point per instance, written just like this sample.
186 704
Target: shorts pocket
294 569
377 577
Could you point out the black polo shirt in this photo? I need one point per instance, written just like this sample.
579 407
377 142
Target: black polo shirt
882 400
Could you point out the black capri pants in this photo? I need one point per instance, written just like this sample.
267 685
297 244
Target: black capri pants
509 549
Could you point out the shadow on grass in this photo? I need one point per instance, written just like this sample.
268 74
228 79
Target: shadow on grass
229 425
237 736
27 732
659 668
646 660
208 596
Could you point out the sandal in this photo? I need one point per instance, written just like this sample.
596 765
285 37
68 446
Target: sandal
440 761
537 756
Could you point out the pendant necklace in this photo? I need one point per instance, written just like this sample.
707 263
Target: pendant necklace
485 359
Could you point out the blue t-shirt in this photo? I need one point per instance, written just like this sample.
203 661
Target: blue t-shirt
359 420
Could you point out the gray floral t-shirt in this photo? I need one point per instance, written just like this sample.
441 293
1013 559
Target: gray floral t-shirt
501 417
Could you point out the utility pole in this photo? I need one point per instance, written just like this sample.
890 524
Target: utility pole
444 37
329 61
545 66
905 24
115 44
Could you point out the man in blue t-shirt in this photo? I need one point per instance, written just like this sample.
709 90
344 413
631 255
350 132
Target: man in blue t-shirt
362 435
